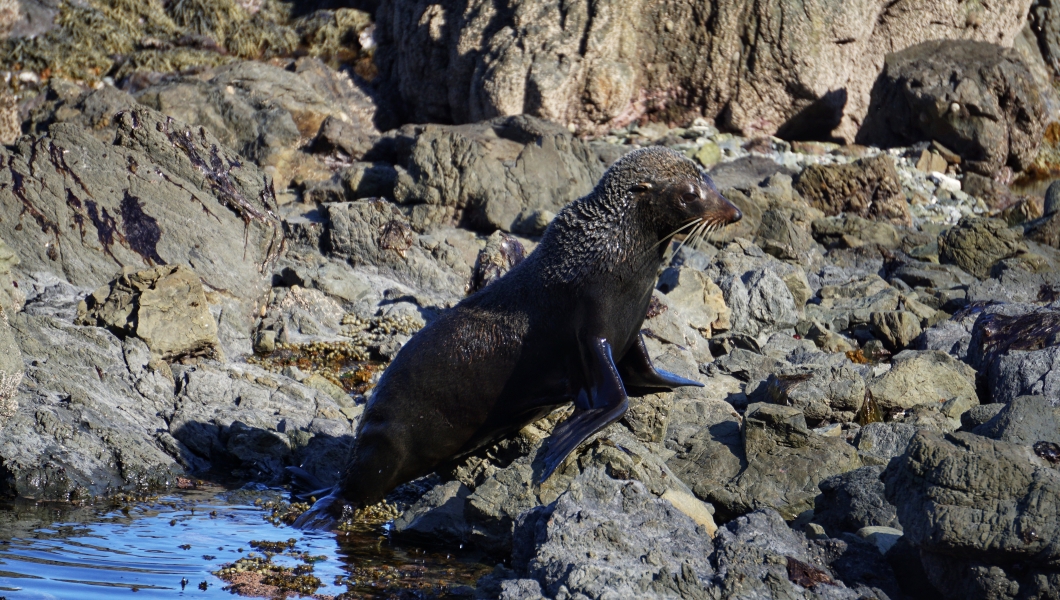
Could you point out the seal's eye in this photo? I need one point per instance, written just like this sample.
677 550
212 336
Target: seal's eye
688 198
643 186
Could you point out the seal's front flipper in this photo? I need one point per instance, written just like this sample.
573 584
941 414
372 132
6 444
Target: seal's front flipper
604 404
638 371
324 514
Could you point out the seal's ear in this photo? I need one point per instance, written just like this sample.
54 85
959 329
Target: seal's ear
643 186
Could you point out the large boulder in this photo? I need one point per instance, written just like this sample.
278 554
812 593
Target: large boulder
976 98
976 244
506 173
90 418
594 538
1017 353
803 70
161 194
868 188
164 306
923 378
984 514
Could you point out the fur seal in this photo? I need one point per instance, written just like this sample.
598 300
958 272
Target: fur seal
562 326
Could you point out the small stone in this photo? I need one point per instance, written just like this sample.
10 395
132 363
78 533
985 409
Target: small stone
945 182
693 507
708 155
896 328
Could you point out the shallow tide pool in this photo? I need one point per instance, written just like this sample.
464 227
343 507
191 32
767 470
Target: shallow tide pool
170 547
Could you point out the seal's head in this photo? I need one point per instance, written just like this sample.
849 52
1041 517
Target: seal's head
673 194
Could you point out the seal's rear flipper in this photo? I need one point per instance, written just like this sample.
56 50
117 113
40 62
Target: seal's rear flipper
605 404
638 371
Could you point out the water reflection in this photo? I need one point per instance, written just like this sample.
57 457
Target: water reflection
170 547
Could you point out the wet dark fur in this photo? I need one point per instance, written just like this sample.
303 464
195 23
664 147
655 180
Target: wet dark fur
514 351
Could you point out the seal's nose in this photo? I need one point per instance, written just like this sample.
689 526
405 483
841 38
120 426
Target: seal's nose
736 214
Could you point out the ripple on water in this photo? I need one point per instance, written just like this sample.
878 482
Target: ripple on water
171 547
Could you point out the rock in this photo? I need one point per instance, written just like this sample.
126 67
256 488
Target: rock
1025 421
254 423
375 233
828 393
852 231
978 415
700 301
265 112
164 306
705 438
759 556
11 370
87 209
977 98
868 188
708 155
854 500
1016 347
1052 199
884 538
11 297
784 463
438 515
755 292
91 415
592 541
976 507
780 236
586 64
896 328
878 443
1044 230
930 161
975 244
502 252
922 378
490 175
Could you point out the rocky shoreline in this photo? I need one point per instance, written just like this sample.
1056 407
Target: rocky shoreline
205 267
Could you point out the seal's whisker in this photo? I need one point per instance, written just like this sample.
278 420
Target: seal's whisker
691 235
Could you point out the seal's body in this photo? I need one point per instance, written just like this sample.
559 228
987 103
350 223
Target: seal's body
563 325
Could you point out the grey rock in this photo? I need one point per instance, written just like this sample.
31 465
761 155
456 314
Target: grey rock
1044 230
264 111
896 328
88 411
853 500
975 244
930 275
1025 420
760 301
780 236
784 463
977 415
594 539
923 378
11 369
452 62
249 420
759 556
851 231
1021 373
377 234
824 393
699 300
704 436
868 188
164 306
978 506
490 175
502 252
369 180
87 209
959 92
1052 198
11 297
438 515
878 443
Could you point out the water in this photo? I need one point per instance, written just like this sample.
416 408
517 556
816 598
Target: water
147 550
